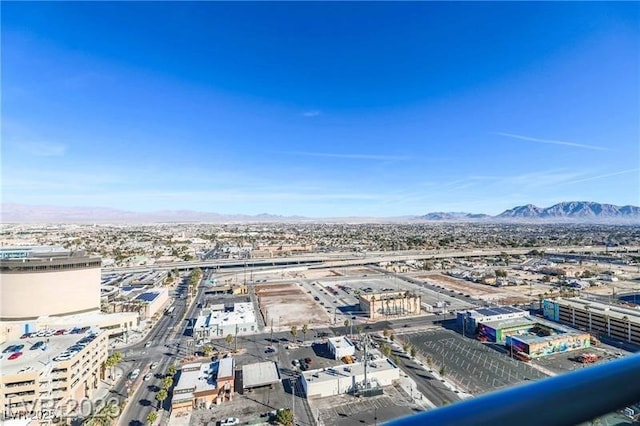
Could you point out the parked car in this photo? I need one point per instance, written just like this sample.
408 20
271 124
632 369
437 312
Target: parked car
147 377
230 421
25 336
154 365
37 345
8 349
18 348
15 355
308 360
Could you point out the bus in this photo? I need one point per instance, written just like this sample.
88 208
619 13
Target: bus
170 311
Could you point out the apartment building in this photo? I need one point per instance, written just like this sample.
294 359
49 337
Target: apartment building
52 373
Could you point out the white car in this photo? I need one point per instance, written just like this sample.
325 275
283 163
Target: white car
147 377
154 365
230 421
146 345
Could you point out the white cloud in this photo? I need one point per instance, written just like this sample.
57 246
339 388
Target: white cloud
312 113
43 149
552 141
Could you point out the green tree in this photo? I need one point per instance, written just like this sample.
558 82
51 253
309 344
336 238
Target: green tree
386 350
501 273
152 417
171 371
229 339
396 359
294 332
442 371
305 330
392 337
167 382
208 350
385 332
284 417
161 396
406 346
413 352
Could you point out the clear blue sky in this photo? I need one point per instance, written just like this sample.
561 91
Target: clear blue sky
320 109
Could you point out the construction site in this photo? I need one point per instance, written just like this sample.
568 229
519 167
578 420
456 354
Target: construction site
285 305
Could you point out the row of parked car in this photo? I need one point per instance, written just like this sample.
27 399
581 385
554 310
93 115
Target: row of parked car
52 332
73 350
15 351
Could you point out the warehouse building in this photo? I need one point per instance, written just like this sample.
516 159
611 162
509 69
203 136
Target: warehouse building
617 322
349 378
525 336
260 374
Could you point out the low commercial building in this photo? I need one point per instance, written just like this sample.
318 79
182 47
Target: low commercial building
527 337
349 378
240 320
51 370
603 319
153 301
471 319
202 384
340 347
260 374
386 304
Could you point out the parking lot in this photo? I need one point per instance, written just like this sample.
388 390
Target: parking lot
347 410
564 362
470 364
247 408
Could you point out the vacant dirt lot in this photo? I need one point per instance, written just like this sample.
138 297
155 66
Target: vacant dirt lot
289 304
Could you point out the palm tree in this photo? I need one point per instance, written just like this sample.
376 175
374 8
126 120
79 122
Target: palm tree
161 396
305 330
294 332
229 339
152 417
171 371
207 350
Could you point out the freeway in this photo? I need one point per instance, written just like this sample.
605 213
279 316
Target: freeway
350 259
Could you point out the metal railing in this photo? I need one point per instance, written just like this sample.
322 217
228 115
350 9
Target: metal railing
567 399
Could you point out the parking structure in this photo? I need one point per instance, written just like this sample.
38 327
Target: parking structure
472 365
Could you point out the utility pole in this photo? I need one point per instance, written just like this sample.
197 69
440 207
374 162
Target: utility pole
271 339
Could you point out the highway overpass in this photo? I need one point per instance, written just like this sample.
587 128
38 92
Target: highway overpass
332 260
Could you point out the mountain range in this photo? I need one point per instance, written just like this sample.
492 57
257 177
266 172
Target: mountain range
570 211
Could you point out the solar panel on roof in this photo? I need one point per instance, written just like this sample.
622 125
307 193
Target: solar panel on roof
485 312
147 297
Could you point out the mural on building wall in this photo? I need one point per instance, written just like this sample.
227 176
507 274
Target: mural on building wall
551 310
563 344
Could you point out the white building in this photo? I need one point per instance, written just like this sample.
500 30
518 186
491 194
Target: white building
340 347
348 378
220 323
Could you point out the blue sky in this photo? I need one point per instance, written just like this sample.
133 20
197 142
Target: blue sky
320 109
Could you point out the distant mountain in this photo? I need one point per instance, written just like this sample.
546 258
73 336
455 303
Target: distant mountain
571 211
451 216
574 210
18 213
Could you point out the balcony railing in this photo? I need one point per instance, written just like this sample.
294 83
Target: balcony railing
567 399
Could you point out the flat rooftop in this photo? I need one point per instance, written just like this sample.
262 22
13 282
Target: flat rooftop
340 342
196 377
38 359
243 313
348 371
260 374
496 310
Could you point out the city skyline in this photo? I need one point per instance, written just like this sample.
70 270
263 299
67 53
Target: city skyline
320 110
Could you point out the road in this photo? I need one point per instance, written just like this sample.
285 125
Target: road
349 258
164 344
